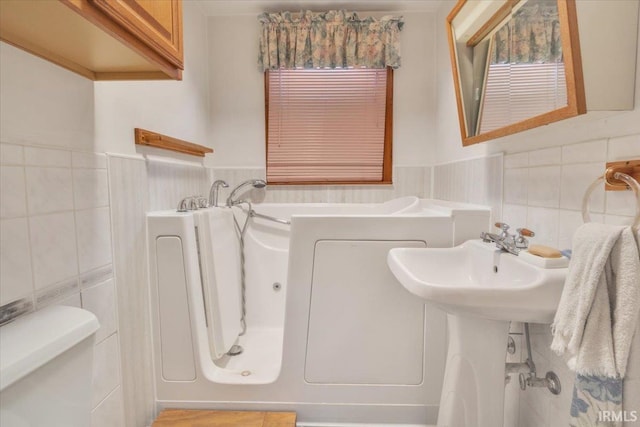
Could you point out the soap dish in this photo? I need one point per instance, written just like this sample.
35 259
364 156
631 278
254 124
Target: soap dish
541 262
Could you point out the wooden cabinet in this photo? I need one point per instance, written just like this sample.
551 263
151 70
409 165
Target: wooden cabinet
100 39
157 23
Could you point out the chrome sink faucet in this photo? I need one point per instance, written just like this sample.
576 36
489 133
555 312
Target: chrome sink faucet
506 241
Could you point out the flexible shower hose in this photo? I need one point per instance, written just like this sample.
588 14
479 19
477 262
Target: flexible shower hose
243 285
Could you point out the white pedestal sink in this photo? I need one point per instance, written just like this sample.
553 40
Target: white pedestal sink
482 289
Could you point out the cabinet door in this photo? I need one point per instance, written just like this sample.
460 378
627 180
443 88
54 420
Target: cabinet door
156 23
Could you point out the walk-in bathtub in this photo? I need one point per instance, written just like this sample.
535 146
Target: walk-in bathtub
330 333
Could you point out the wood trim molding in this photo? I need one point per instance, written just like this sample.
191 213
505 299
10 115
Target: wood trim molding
497 17
456 72
136 75
387 154
153 139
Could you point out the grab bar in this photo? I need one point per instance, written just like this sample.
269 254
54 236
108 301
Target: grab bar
269 218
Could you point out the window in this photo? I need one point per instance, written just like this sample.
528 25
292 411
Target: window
525 75
516 92
329 126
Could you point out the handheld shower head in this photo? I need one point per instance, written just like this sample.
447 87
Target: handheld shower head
255 183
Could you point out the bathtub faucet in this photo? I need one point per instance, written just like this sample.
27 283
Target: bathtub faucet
255 183
213 192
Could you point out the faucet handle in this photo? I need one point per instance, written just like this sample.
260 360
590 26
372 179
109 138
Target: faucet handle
202 202
183 206
193 203
189 203
502 225
525 232
521 241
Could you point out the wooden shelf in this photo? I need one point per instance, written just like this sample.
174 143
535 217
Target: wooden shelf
153 139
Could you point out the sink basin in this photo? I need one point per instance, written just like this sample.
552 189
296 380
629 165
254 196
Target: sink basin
477 279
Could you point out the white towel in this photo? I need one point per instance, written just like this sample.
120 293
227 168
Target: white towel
596 320
600 303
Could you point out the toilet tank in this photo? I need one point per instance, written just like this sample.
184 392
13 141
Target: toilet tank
46 361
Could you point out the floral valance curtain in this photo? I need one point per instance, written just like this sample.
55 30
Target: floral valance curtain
531 36
334 39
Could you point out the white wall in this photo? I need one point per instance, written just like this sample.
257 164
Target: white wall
237 131
176 108
55 231
44 104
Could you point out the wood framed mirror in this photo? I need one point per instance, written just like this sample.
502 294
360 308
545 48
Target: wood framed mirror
516 65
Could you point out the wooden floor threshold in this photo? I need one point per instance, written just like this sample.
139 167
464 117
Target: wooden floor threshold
197 418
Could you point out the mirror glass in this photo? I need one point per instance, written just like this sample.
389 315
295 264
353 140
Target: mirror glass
514 65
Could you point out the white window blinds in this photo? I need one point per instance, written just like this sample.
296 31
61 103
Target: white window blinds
326 125
516 92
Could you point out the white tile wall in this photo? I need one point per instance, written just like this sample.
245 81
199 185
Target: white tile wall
57 292
106 369
13 197
88 160
129 194
53 248
585 152
623 148
545 223
94 238
137 185
548 156
477 181
516 186
580 165
407 181
90 188
555 187
170 181
54 230
11 154
543 191
575 180
36 156
110 412
15 263
49 189
101 301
